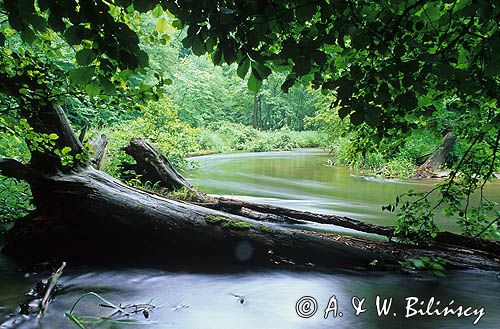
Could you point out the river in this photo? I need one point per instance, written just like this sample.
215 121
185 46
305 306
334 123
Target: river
302 179
199 298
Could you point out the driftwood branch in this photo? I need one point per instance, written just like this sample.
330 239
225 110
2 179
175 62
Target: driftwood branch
51 284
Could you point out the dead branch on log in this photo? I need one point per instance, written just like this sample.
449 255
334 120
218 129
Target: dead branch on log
51 284
154 166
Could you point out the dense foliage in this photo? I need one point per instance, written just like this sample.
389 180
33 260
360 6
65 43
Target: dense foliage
394 68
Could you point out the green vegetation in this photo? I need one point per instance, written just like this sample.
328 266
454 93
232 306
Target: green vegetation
383 79
353 147
122 315
230 137
265 229
227 223
434 266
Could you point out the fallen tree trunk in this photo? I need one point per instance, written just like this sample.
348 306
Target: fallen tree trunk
98 216
290 216
436 159
83 212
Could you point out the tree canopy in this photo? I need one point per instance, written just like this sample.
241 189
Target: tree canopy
388 62
389 66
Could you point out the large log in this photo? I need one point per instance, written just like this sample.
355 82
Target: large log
278 214
100 217
83 212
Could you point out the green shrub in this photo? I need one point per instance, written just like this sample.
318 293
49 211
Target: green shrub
15 195
16 200
209 140
309 138
228 136
418 144
161 126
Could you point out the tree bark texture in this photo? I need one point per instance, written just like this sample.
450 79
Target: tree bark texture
437 158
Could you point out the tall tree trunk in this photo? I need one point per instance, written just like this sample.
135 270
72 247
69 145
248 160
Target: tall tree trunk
256 111
437 158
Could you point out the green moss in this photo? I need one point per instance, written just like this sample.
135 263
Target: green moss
227 223
215 219
139 208
183 194
235 225
265 229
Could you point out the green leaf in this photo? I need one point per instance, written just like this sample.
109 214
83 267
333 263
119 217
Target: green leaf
27 35
85 56
162 25
198 46
344 111
93 88
82 75
243 67
372 117
143 5
53 136
407 101
357 117
254 83
56 22
305 12
157 11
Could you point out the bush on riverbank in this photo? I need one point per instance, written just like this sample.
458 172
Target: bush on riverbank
229 137
384 159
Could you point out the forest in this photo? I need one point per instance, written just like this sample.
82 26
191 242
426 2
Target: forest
113 112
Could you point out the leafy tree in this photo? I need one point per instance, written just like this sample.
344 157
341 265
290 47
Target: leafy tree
389 65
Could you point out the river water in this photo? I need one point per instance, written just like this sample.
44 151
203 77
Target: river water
191 298
303 180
